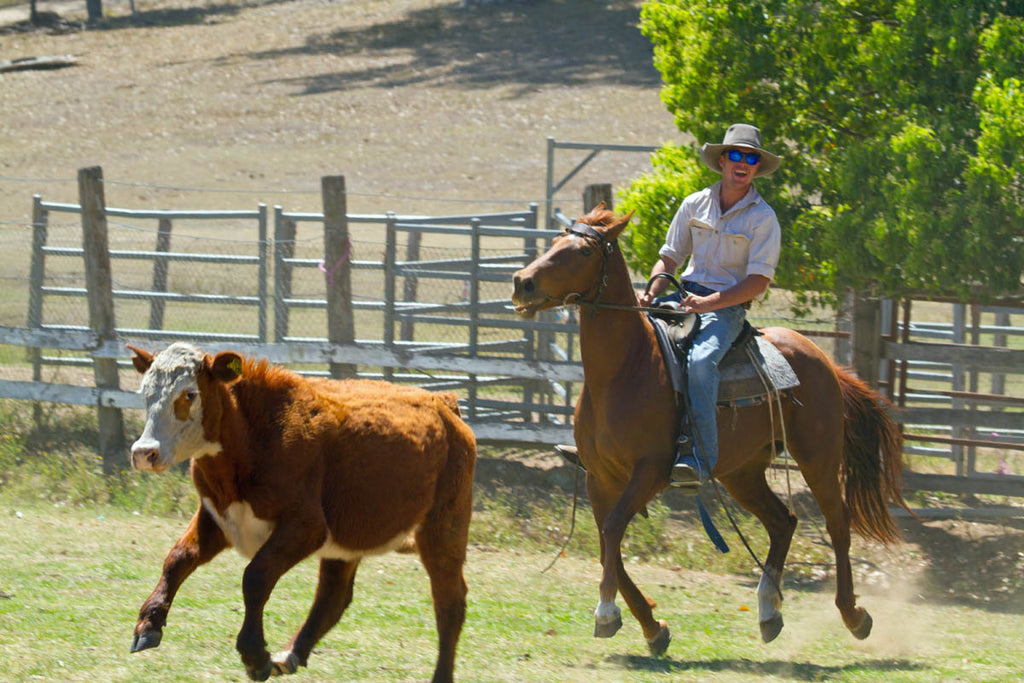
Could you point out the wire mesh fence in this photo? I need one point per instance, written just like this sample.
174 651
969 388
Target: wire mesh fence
418 285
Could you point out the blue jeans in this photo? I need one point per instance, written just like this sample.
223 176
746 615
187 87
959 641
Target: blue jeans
718 330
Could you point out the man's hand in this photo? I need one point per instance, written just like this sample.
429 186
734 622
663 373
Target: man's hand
699 304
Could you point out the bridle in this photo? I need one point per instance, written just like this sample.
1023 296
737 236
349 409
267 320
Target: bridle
607 247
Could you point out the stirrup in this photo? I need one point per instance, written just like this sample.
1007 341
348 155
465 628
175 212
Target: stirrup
684 476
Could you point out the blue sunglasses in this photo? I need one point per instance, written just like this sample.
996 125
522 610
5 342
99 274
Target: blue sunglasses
751 158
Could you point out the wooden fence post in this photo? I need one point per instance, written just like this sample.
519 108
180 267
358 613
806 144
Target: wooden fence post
160 268
867 338
595 194
338 263
99 285
40 225
412 254
284 249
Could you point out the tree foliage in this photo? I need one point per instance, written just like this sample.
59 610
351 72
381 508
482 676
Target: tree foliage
900 124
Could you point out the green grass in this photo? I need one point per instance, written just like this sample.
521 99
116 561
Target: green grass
82 552
72 579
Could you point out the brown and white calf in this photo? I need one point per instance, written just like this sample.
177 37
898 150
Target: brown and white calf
287 467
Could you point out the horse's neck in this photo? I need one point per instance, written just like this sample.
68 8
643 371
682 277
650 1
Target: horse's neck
614 342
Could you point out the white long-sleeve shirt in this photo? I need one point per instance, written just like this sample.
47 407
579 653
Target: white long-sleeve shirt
724 248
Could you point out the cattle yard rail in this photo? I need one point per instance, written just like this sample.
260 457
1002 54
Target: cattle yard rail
425 300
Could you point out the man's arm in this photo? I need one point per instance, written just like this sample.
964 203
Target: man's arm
664 265
747 289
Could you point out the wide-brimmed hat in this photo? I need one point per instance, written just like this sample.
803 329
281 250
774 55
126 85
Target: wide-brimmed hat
740 135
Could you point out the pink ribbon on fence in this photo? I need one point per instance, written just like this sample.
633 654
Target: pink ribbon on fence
344 257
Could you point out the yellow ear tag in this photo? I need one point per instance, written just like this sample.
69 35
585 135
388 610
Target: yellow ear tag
236 366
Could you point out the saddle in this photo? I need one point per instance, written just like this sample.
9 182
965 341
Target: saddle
750 373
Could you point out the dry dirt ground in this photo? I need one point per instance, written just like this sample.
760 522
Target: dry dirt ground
413 101
425 106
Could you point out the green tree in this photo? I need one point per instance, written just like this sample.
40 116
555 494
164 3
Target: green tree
900 124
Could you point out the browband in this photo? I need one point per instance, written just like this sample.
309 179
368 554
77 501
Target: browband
585 230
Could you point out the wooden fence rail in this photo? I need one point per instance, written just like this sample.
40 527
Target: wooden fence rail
444 322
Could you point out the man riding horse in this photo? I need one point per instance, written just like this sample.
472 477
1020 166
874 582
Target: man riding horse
732 238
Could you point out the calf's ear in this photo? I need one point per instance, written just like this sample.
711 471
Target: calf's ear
227 366
141 359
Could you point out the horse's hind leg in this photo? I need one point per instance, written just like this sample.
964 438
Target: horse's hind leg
333 595
837 522
750 489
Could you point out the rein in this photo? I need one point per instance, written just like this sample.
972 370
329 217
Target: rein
606 246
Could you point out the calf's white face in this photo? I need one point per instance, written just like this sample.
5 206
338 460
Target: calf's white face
174 411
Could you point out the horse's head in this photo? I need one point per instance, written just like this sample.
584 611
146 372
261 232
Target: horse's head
574 269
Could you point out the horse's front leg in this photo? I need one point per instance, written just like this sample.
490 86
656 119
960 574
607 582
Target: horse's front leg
200 543
613 516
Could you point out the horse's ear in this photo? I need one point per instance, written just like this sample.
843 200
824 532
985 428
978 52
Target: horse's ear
616 228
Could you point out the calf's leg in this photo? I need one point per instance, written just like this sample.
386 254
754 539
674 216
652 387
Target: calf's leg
441 542
200 543
290 543
333 595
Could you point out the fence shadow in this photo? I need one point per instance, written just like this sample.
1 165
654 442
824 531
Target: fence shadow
169 17
528 44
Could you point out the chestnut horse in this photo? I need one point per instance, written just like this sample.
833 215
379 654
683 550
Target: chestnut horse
837 431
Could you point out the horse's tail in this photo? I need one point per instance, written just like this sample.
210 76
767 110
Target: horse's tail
872 468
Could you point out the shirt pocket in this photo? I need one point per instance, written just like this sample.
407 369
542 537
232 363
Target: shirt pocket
701 236
735 249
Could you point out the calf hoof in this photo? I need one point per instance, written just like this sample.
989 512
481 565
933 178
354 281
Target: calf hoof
609 628
864 629
770 629
659 643
146 640
285 663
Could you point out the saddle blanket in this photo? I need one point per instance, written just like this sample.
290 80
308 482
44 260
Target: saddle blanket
741 382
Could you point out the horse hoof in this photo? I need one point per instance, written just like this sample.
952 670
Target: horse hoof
659 643
284 663
864 629
607 629
146 640
260 674
770 629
